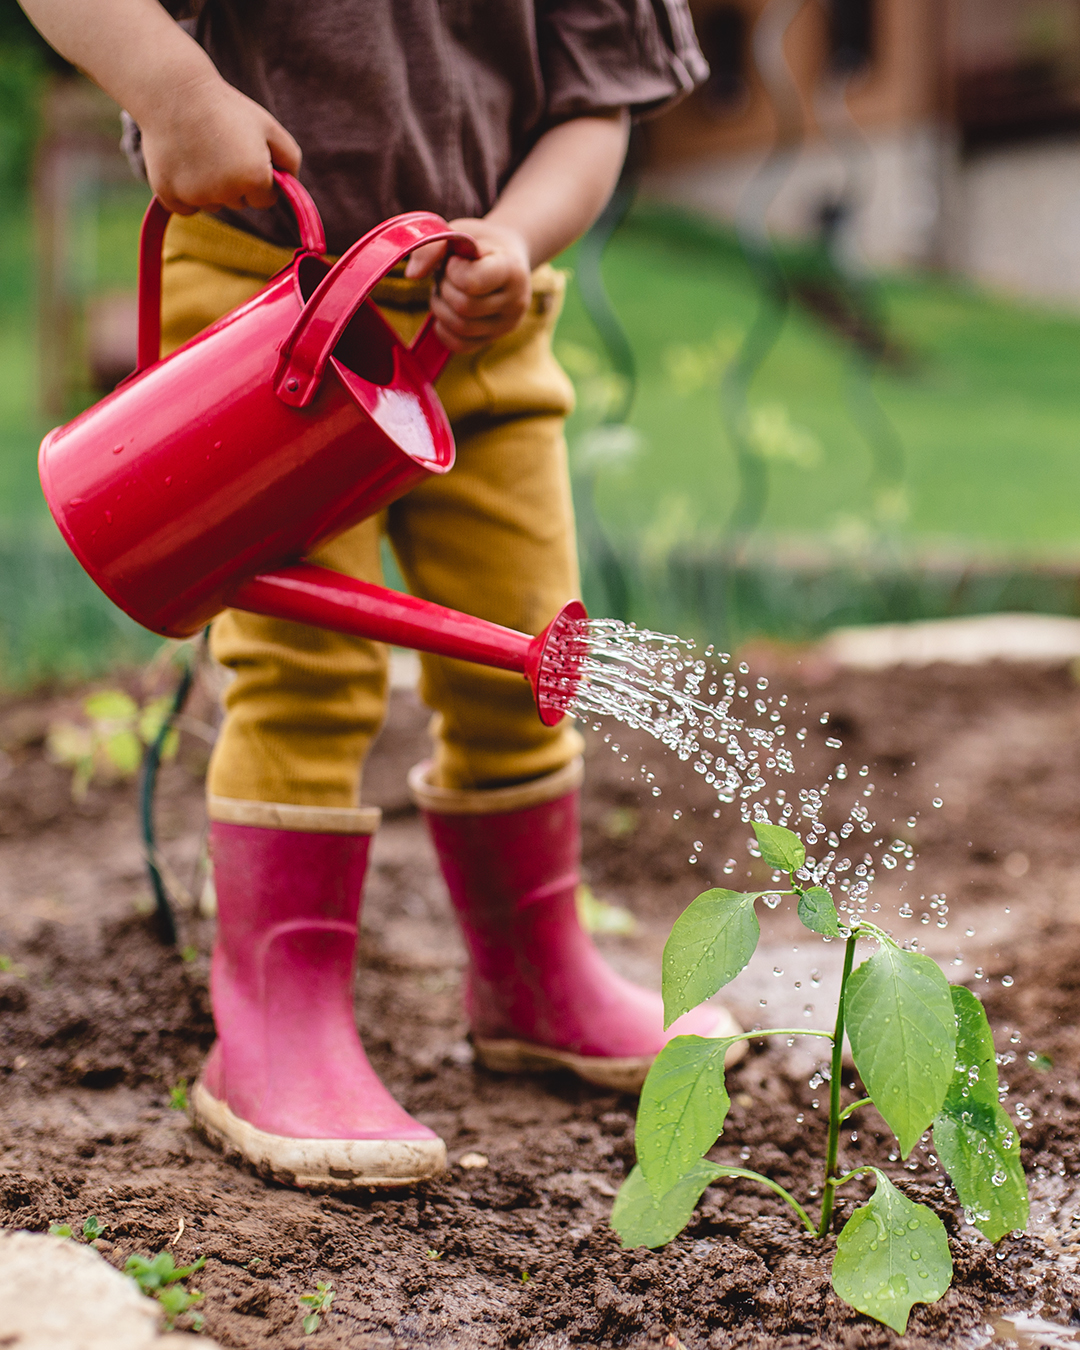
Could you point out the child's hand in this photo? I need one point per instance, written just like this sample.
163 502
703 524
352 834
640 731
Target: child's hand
208 146
477 300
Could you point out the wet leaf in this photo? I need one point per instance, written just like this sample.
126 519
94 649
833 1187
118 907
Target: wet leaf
891 1254
900 1022
780 848
683 1106
642 1220
711 941
979 1146
818 913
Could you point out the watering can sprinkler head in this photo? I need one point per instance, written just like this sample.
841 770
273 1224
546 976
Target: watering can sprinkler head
202 479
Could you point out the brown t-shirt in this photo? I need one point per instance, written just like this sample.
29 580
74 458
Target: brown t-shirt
403 105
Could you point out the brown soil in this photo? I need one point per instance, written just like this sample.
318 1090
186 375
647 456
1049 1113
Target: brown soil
99 1022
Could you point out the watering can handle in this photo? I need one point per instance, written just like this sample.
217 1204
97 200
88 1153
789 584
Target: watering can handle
346 287
312 239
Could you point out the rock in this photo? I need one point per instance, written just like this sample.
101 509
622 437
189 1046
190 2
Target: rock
57 1294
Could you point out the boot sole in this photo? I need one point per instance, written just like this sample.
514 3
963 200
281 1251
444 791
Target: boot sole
619 1075
317 1164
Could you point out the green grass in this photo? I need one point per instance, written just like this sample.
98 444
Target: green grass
989 417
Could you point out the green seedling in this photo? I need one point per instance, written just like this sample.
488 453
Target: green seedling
924 1051
91 1229
319 1302
161 1278
433 1254
108 745
178 1098
9 966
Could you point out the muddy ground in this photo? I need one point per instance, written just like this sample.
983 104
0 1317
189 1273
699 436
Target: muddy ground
99 1023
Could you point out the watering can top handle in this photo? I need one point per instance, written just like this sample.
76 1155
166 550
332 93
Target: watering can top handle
312 239
346 287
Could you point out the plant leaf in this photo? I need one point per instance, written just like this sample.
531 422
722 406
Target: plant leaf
818 913
711 941
902 1028
979 1146
780 848
124 751
111 705
642 1220
683 1106
891 1254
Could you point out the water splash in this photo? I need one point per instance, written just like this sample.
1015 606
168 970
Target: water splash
717 717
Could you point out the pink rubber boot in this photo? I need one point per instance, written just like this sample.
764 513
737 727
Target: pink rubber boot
539 995
287 1083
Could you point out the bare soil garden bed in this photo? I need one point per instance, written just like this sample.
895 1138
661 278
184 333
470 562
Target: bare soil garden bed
98 1023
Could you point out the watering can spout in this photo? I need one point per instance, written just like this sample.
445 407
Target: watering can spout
305 593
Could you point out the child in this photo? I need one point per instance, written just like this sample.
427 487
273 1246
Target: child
510 118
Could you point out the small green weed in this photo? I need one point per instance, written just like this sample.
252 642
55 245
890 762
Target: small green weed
92 1229
10 966
178 1096
319 1302
433 1255
924 1051
161 1278
109 745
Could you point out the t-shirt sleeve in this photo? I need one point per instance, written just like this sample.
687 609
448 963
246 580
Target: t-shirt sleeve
602 54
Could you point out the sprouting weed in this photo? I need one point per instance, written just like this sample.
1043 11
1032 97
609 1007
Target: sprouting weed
524 1277
319 1302
161 1278
108 745
189 954
8 966
433 1255
891 1252
178 1096
92 1229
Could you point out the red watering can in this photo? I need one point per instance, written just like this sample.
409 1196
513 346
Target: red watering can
205 478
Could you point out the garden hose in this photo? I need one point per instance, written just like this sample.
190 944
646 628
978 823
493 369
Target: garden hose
165 919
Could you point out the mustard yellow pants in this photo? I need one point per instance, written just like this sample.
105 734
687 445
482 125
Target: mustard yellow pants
494 538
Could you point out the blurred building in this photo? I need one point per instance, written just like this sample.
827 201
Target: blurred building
929 132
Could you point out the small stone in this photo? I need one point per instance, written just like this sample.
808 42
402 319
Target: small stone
471 1160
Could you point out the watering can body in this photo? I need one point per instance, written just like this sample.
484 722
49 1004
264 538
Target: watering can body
204 469
205 478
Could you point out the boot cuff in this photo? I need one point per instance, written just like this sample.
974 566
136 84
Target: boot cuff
305 819
492 801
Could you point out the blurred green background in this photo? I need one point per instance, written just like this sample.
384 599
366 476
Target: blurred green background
973 401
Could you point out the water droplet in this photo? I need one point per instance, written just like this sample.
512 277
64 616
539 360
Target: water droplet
833 743
676 815
937 802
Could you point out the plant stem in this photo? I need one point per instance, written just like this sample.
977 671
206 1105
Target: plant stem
781 1031
773 1186
833 1151
863 1101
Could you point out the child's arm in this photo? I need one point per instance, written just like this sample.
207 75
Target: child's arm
205 144
555 195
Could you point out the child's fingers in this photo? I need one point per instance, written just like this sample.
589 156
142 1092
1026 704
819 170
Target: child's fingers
472 306
477 329
480 276
284 150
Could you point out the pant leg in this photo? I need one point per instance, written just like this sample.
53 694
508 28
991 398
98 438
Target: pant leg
304 703
495 538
